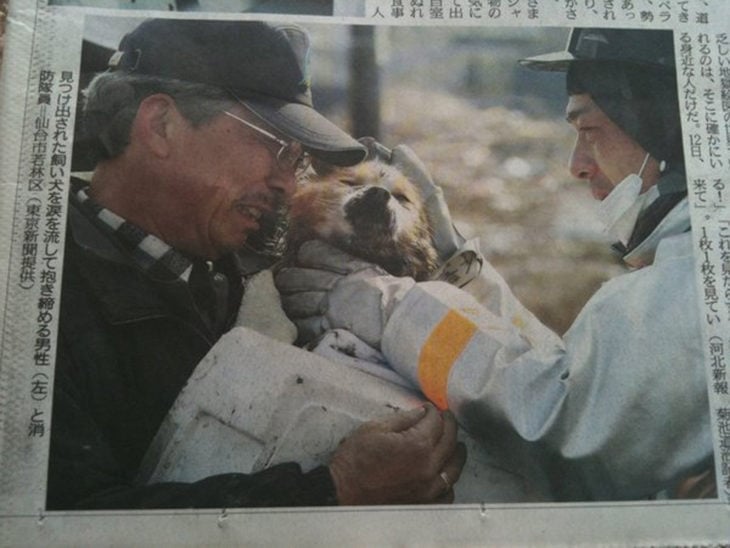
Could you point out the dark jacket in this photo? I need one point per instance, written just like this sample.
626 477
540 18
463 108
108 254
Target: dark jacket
126 346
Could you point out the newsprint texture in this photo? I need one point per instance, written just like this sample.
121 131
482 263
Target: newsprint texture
443 77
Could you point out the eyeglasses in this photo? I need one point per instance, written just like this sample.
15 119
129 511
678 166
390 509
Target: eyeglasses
290 156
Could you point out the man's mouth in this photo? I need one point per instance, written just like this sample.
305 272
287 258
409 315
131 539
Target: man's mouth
266 232
258 212
253 212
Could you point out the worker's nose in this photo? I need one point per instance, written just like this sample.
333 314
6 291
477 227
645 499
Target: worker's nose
581 164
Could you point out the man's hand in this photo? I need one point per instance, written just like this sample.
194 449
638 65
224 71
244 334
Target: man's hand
411 457
330 289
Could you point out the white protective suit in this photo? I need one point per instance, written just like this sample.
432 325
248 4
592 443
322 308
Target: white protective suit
619 406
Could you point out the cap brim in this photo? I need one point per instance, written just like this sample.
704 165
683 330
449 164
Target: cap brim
558 61
319 136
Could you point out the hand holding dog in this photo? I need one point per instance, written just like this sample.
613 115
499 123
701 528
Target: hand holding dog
411 457
329 289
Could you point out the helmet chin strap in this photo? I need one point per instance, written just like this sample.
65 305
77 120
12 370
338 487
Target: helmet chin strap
643 164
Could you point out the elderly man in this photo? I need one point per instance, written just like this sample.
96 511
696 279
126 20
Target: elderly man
618 408
202 128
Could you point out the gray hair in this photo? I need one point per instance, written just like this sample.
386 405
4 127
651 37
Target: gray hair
112 99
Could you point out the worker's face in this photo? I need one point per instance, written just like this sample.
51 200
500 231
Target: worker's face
227 177
603 155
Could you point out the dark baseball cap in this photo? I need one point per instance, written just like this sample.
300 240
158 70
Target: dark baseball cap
264 66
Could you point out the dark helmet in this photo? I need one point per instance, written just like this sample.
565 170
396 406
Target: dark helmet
630 75
641 47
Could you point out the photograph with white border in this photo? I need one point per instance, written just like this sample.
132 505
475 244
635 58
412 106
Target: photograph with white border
320 263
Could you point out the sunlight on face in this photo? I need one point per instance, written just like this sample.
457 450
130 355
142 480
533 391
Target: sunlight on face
603 155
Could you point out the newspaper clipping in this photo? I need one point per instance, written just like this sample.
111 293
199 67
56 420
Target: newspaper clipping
365 272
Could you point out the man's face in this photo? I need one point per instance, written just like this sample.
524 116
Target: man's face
603 155
225 178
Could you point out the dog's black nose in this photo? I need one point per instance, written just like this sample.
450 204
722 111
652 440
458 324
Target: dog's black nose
368 211
376 196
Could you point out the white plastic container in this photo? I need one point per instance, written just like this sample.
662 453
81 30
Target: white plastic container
254 402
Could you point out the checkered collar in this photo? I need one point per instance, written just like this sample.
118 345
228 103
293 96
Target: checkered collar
152 255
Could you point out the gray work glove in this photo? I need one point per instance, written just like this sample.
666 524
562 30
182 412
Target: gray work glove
328 289
461 261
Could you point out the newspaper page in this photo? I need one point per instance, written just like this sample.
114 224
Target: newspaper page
443 77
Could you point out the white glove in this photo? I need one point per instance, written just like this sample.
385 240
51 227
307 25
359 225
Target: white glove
330 289
261 309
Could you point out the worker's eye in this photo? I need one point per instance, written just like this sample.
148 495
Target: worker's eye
588 133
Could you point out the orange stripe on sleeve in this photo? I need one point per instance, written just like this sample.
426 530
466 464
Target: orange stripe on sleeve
442 348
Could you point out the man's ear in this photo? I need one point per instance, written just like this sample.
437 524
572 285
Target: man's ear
154 124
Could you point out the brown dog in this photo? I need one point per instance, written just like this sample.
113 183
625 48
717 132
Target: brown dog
371 211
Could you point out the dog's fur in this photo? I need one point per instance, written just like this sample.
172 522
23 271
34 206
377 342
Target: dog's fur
371 211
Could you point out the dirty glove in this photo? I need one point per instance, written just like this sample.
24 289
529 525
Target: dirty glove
329 289
461 260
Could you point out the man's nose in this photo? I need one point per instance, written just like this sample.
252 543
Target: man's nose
581 164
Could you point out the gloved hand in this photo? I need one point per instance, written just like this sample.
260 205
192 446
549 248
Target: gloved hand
329 289
411 457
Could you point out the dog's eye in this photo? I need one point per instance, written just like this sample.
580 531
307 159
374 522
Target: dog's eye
348 181
402 198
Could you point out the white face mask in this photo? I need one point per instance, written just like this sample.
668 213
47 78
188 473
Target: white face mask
619 210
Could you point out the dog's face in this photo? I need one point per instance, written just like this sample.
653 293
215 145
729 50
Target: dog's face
370 210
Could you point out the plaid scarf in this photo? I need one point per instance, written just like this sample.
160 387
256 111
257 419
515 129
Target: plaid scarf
209 289
152 255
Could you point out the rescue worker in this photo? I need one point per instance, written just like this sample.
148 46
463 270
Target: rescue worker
617 408
202 127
